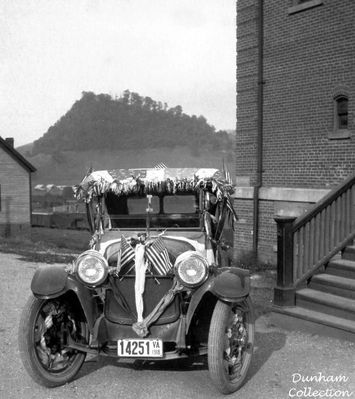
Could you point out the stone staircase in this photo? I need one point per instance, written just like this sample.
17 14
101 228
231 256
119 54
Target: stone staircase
327 304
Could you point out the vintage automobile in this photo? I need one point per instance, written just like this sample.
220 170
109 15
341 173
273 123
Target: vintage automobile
156 282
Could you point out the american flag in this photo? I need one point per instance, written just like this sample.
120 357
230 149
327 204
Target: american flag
158 256
127 255
160 166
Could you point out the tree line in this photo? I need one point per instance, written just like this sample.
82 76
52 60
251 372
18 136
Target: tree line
127 122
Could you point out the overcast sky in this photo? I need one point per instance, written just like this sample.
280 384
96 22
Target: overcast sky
177 51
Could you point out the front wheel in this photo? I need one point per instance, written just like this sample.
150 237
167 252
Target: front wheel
45 327
230 344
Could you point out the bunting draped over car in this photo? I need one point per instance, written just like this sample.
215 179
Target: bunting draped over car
162 181
153 181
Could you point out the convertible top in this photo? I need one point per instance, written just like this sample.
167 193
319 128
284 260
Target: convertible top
153 181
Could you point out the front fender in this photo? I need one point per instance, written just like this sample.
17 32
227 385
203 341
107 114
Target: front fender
54 281
49 281
230 285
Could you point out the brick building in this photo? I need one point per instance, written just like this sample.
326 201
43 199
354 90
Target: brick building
295 111
15 190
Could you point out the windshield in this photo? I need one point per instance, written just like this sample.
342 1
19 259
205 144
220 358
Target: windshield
138 206
180 204
166 211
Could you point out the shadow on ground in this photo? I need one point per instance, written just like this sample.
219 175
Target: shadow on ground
265 345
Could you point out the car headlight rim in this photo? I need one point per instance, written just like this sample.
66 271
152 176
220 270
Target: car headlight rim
91 268
191 269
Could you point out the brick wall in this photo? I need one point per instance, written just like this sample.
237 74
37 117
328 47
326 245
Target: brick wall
267 232
308 57
15 196
247 54
244 226
243 237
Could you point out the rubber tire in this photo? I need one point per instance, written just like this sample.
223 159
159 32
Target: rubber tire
28 352
216 339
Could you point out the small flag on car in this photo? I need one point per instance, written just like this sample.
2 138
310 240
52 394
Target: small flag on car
127 255
158 256
160 165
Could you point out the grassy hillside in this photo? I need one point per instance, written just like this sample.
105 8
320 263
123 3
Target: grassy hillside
68 167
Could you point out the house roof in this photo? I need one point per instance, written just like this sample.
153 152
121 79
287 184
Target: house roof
16 155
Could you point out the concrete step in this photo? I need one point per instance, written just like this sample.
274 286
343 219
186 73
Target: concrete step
333 284
341 267
328 304
297 318
349 253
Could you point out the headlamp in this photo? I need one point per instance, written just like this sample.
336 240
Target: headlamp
191 269
91 268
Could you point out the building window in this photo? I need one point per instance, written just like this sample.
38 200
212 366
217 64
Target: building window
301 5
341 112
341 118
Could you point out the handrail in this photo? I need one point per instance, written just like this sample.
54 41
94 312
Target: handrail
325 259
324 202
308 243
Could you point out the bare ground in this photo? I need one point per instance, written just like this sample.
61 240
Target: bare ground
278 356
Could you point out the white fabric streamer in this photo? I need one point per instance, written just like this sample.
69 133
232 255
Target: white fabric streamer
141 267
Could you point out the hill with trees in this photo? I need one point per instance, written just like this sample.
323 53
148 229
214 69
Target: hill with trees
124 132
127 122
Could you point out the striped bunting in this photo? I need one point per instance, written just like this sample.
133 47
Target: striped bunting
158 256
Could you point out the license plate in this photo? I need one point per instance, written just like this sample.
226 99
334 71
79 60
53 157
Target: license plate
140 347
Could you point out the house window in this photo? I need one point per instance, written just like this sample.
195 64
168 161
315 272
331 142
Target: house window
341 118
301 5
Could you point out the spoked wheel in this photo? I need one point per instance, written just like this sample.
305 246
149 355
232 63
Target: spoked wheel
45 327
230 344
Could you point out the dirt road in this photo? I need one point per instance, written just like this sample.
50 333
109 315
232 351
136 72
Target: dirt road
281 361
